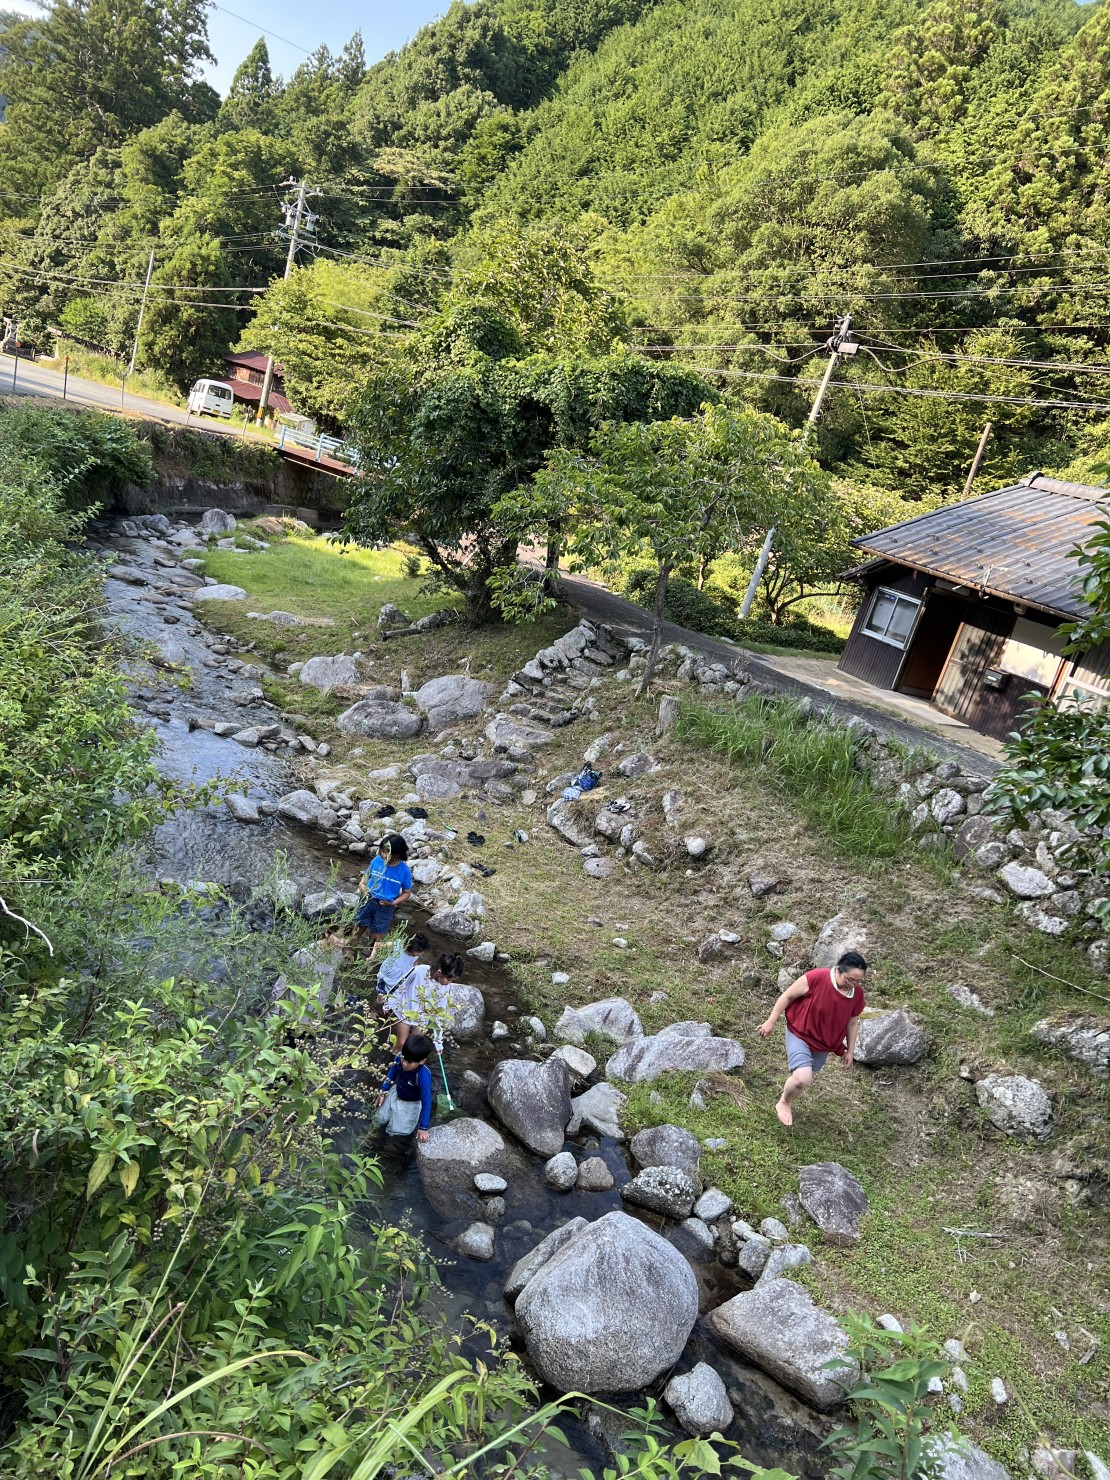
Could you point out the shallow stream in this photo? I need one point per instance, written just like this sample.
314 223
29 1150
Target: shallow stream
207 844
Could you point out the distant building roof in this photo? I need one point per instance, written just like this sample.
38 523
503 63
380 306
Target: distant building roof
1016 542
242 390
252 359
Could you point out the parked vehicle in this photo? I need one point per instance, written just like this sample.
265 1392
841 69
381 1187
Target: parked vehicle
211 397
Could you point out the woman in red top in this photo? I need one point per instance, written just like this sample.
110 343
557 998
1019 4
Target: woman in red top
822 1017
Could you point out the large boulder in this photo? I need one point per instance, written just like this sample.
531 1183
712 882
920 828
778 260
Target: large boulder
680 1047
533 1100
844 932
303 807
451 699
219 593
598 1110
506 733
668 1146
889 1038
467 1007
380 719
700 1401
778 1327
834 1200
666 1190
612 1018
453 1154
339 672
610 1310
531 1264
453 925
216 521
1016 1105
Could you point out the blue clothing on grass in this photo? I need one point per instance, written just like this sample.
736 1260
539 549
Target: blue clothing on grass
412 1084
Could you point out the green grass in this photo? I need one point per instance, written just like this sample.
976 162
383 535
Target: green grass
811 762
107 371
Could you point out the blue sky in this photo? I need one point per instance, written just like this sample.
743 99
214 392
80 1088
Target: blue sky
385 25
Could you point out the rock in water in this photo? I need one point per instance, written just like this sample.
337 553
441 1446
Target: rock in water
612 1018
666 1190
380 719
453 925
668 1146
699 1401
834 1200
610 1310
889 1038
468 1013
594 1176
533 1100
673 1050
780 1328
561 1172
451 1158
599 1110
524 1269
451 699
477 1242
1016 1105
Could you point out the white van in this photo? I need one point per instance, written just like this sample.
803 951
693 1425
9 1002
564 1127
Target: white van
212 396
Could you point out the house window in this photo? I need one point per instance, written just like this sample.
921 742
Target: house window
891 617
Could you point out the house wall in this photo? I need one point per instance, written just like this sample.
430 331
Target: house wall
866 657
1090 674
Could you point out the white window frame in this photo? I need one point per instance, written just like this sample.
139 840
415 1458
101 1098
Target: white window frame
900 643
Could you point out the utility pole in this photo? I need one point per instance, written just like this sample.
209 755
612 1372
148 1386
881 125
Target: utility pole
978 458
296 217
142 310
840 345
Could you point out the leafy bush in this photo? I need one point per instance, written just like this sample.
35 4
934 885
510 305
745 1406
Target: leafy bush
700 612
82 454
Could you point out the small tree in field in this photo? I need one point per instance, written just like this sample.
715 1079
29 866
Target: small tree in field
673 490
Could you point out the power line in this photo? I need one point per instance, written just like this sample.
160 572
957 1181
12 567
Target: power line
284 39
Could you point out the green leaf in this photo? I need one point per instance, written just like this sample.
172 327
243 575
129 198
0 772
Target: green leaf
99 1170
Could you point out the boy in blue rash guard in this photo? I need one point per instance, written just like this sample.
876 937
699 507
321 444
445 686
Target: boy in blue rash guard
405 1099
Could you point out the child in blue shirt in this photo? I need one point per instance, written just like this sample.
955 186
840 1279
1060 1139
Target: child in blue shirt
386 884
405 1099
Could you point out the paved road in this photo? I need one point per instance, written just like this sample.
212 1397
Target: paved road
602 605
37 380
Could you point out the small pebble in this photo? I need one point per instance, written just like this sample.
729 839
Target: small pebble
998 1391
620 942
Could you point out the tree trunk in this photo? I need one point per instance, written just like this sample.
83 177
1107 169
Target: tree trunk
656 627
554 549
703 566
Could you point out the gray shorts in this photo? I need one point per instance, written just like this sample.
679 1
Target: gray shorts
799 1055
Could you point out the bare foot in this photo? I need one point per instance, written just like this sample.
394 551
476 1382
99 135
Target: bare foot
784 1112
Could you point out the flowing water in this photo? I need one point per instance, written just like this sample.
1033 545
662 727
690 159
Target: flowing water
206 844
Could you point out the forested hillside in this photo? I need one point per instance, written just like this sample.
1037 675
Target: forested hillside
734 175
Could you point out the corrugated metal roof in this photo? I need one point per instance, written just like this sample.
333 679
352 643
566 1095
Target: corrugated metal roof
1016 542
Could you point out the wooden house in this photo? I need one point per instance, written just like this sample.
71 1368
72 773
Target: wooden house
246 371
962 605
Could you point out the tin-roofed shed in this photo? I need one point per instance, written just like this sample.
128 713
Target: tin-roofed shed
963 603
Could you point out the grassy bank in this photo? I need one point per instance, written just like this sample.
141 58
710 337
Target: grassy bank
783 801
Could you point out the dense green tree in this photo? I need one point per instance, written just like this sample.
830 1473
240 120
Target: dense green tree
253 92
187 328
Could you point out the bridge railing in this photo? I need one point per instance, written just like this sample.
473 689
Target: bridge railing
319 445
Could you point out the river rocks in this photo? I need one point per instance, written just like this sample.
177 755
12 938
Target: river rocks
524 1269
243 809
313 968
699 1401
219 593
1016 1105
302 806
1026 883
712 1204
784 1257
610 1310
580 1064
453 925
490 1182
216 521
562 817
594 1176
673 1049
834 1200
1083 1039
959 1460
779 1328
533 1100
612 1018
840 934
452 699
561 1172
468 1013
330 673
451 1158
477 1242
485 952
668 1146
380 719
598 1110
663 1189
889 1038
753 1255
